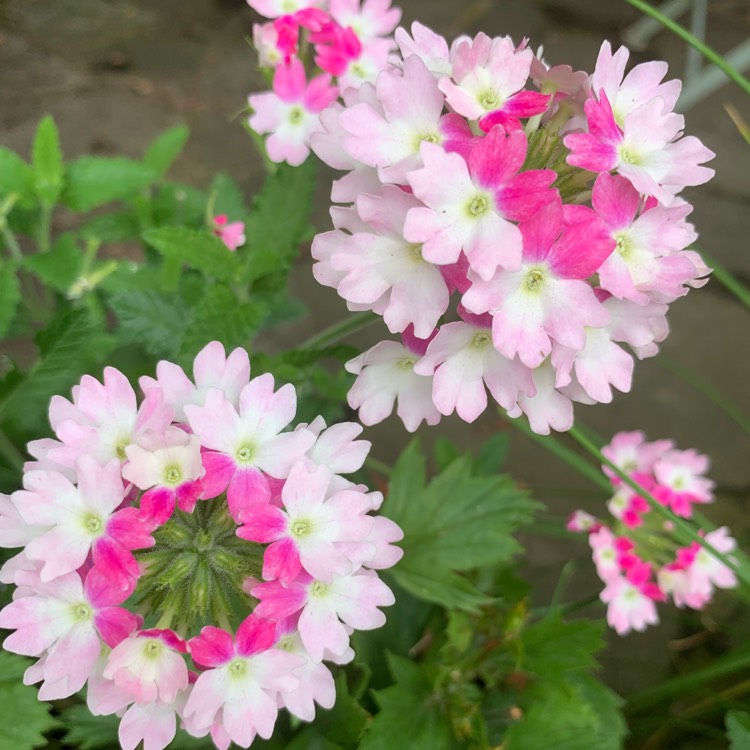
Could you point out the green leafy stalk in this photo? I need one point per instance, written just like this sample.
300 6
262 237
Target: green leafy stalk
710 54
725 277
681 527
338 331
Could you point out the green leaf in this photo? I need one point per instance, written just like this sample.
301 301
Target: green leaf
553 646
220 316
199 249
97 180
88 732
228 198
345 723
10 295
408 709
16 176
459 522
176 204
738 730
114 227
26 717
153 319
60 266
580 713
47 160
279 220
68 348
165 148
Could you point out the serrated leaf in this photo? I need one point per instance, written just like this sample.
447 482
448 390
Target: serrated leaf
199 249
580 713
279 220
457 523
16 176
88 732
97 180
153 319
112 227
165 148
178 204
60 266
10 295
47 161
26 717
228 198
408 713
553 646
738 730
68 347
220 316
345 723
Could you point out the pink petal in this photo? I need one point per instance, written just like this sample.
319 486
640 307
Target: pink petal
248 487
255 635
115 624
289 81
219 471
262 523
615 200
281 560
115 562
212 648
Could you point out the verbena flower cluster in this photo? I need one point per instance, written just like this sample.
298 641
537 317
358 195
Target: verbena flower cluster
517 223
351 42
190 558
636 554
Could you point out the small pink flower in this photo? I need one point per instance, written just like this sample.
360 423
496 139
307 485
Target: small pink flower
628 607
276 8
680 479
232 234
367 18
290 113
581 521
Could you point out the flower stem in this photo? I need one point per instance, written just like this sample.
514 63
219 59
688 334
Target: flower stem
45 223
342 329
725 277
681 526
10 452
710 54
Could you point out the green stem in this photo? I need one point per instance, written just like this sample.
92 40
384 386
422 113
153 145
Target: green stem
711 393
710 54
680 526
342 329
645 700
725 277
11 453
10 240
378 466
45 223
564 453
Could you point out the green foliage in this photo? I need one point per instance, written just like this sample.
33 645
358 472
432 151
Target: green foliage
47 161
97 180
198 249
10 294
457 523
16 176
26 717
408 709
67 349
738 730
165 148
60 266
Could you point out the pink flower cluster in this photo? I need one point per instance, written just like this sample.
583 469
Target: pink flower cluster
517 223
350 41
636 555
190 557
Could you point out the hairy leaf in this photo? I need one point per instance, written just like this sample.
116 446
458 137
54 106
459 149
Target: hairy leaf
26 718
60 266
165 148
97 180
738 730
47 160
16 176
199 249
10 295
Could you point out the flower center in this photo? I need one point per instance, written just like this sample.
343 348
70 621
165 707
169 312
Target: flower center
481 340
296 115
81 611
489 99
93 524
534 279
300 528
478 206
238 668
244 454
358 70
193 574
319 588
285 643
623 244
153 649
416 253
407 363
172 475
122 443
628 156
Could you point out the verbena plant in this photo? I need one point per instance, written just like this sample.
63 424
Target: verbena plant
192 564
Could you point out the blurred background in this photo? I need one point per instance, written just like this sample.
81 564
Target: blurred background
115 73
